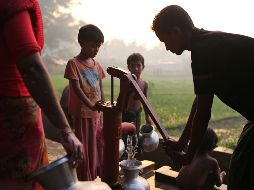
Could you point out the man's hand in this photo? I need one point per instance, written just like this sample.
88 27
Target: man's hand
173 144
179 158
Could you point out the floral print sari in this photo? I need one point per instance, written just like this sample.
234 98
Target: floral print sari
22 140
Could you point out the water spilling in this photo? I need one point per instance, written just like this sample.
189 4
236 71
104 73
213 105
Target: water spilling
132 146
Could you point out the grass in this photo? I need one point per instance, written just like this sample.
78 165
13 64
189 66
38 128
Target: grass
228 137
171 98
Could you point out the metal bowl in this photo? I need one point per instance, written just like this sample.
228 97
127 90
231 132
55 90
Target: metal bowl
59 174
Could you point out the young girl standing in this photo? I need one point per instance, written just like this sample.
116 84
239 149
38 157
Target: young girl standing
85 76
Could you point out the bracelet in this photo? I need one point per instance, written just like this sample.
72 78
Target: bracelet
64 131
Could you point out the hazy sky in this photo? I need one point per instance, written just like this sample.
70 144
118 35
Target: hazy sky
131 20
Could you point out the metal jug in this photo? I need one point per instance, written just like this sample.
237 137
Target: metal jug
121 148
149 138
131 179
61 175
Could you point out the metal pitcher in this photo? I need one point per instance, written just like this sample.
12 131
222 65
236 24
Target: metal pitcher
131 179
149 138
61 175
121 148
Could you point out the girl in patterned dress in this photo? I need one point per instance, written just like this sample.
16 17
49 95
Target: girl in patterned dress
85 76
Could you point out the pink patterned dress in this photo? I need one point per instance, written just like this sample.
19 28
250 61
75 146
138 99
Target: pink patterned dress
87 123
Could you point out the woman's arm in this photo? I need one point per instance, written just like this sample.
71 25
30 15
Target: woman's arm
40 87
21 44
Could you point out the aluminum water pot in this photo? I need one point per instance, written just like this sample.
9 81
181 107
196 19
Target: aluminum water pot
131 179
121 148
149 138
61 175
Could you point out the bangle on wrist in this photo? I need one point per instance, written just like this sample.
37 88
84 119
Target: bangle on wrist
64 131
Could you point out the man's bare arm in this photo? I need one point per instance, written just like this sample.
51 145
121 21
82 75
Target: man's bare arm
199 124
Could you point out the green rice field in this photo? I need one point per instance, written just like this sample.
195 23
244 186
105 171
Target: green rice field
171 99
170 96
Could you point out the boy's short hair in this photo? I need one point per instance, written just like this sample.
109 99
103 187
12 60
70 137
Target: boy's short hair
135 57
210 140
171 16
90 32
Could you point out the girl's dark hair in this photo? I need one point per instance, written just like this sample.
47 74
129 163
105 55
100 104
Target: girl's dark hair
210 141
91 33
171 16
135 57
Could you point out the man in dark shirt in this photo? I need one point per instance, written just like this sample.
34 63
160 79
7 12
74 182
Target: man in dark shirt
222 65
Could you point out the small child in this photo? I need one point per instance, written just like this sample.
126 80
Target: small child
85 76
132 113
204 171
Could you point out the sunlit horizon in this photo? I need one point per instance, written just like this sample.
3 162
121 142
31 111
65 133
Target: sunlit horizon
131 20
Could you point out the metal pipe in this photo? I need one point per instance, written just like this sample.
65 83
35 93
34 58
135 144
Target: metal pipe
125 75
112 120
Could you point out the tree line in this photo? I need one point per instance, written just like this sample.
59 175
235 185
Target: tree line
61 29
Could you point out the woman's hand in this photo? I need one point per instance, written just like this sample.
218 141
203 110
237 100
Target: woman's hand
72 145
